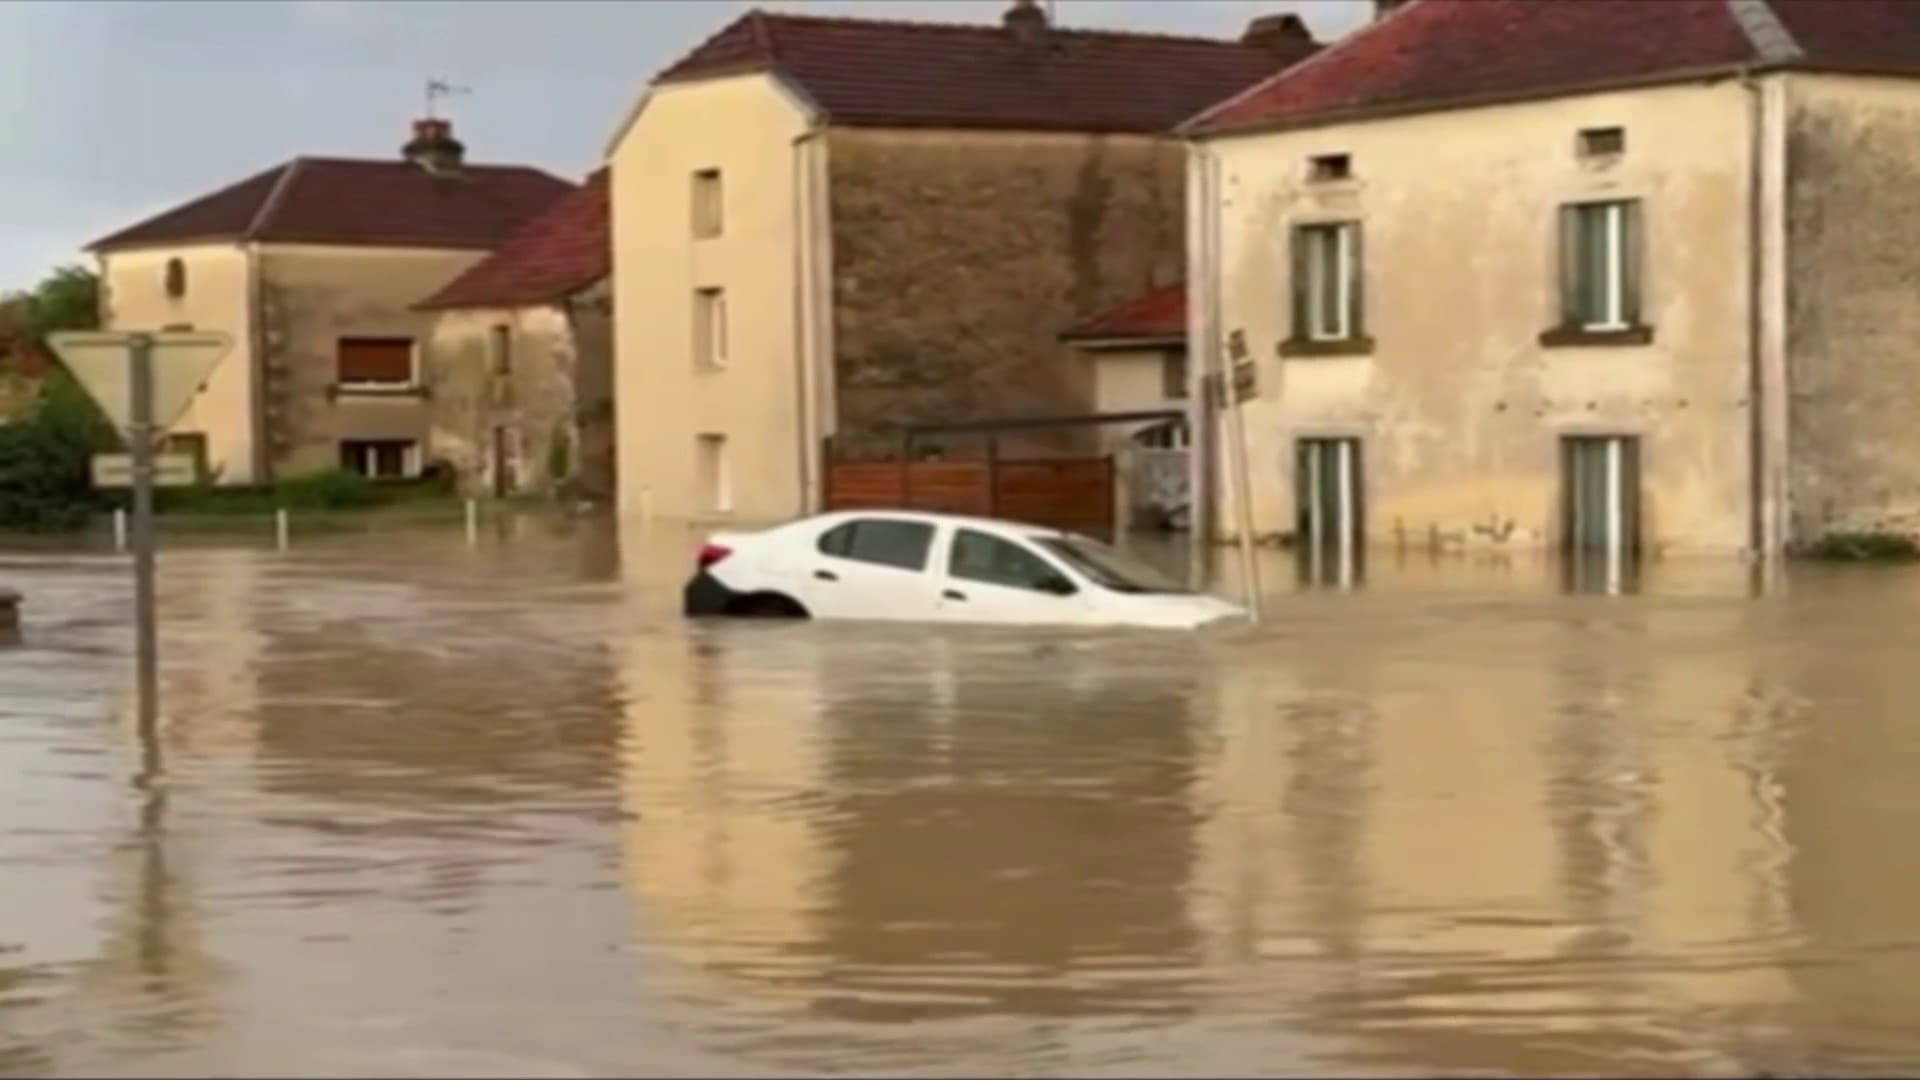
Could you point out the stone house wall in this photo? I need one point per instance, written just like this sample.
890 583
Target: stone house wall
958 258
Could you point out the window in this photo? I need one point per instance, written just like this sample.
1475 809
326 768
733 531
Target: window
1600 266
1109 568
379 459
1603 142
1328 508
1330 167
1326 282
379 362
710 328
175 279
902 545
1173 374
993 561
716 473
500 349
708 204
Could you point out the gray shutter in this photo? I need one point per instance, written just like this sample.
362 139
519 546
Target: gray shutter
1630 260
1356 286
1570 292
1299 244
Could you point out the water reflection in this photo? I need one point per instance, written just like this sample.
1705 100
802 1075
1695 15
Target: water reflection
431 809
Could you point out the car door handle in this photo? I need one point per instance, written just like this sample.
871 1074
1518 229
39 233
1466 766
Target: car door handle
826 575
955 594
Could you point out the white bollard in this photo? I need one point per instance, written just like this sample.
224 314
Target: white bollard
281 529
473 523
119 530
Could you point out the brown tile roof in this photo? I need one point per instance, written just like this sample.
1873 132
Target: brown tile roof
1433 53
1155 315
346 201
565 248
904 74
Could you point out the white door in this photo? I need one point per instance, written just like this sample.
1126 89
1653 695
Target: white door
870 568
992 579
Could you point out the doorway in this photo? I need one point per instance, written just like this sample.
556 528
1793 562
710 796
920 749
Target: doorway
1600 484
1330 524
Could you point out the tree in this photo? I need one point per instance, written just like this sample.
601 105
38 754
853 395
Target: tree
45 460
66 299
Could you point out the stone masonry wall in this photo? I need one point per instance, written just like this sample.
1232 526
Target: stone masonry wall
959 257
1854 305
533 403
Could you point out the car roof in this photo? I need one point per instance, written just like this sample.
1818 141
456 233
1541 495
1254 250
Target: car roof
935 518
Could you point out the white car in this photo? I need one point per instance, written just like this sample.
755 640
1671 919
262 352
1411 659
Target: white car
919 567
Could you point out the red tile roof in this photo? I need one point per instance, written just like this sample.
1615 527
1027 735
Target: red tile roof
561 251
345 201
1156 315
1432 53
868 72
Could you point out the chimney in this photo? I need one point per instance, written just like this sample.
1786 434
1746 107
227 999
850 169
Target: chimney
434 148
1026 22
1384 8
1282 35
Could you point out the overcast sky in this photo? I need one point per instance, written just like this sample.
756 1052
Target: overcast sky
116 110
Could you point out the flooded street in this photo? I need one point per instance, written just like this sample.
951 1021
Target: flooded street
426 810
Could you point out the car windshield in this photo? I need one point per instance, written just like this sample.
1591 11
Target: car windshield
1108 568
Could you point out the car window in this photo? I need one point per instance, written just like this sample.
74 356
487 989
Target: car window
900 544
989 559
1109 568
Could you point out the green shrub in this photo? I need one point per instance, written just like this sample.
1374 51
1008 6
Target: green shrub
328 489
1862 546
46 481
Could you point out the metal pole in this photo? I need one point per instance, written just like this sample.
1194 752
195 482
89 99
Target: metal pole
473 523
282 529
146 638
1243 500
120 529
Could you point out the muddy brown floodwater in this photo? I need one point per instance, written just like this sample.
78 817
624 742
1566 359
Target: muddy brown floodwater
426 810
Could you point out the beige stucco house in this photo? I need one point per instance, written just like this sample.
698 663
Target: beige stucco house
520 358
314 268
1618 276
827 226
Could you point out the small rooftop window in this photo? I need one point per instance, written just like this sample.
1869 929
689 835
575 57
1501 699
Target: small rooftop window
1327 167
1603 142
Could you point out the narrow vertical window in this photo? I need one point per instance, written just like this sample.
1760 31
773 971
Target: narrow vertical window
710 328
709 204
1600 265
1327 274
715 473
500 346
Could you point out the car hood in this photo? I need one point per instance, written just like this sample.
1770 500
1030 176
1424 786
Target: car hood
1176 610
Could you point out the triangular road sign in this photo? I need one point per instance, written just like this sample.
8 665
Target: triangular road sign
182 361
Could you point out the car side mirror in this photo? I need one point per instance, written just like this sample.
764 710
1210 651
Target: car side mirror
1057 585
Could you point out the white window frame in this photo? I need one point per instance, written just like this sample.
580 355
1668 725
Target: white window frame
409 457
1341 233
1613 282
710 328
413 366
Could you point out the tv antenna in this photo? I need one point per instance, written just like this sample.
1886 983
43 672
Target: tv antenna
441 88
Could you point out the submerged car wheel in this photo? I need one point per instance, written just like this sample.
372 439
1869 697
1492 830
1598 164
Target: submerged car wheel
767 606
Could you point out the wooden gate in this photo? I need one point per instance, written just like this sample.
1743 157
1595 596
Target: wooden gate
1075 494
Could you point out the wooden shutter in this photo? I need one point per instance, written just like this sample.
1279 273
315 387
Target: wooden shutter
1570 263
1630 262
376 360
1356 284
1300 277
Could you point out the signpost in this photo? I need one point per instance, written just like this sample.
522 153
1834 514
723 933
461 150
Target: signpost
144 382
